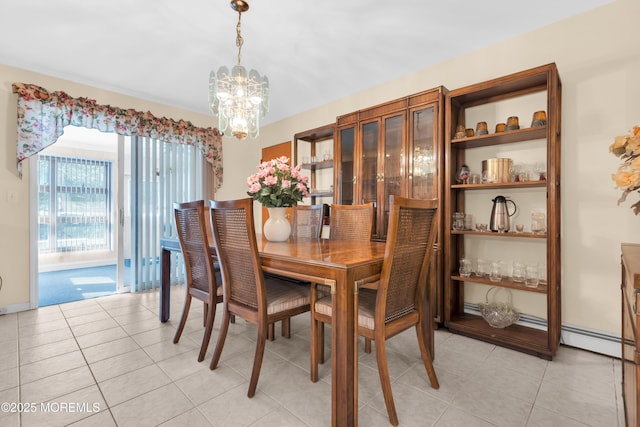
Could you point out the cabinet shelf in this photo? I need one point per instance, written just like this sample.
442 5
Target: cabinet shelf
327 164
524 184
507 137
516 337
321 194
507 235
506 282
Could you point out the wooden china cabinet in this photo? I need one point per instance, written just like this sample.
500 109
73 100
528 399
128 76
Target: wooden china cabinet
394 148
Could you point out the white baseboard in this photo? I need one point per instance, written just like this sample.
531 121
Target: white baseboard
14 308
573 336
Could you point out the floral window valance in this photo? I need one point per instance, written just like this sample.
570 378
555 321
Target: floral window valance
42 116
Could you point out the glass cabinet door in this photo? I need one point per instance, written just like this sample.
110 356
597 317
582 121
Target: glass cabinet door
393 170
369 173
423 158
346 169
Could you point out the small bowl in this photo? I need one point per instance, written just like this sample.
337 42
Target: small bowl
500 127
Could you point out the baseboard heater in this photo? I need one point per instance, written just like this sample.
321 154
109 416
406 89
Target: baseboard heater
573 336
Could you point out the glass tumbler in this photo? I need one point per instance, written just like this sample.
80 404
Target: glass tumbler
458 221
465 267
531 276
495 271
481 267
518 272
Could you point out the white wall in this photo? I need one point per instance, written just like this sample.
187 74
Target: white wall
599 63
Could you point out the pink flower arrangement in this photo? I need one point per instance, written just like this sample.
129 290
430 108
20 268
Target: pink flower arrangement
627 178
277 185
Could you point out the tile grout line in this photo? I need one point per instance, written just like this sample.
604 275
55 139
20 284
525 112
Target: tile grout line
89 366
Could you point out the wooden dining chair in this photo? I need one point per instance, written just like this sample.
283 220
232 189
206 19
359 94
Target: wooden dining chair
347 222
202 279
351 222
247 293
306 221
396 299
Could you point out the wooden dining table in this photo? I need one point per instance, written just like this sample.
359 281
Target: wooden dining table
339 264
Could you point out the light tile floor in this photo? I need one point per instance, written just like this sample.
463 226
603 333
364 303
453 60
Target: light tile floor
110 362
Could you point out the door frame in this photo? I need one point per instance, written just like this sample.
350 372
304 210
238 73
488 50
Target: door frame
272 152
34 266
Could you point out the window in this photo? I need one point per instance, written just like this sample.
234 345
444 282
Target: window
74 204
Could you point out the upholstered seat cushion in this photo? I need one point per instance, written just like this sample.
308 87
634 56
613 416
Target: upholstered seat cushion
283 295
366 307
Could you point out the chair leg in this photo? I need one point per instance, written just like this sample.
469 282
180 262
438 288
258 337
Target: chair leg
385 381
271 332
367 345
285 325
210 316
426 355
183 319
221 337
257 360
204 314
314 349
321 342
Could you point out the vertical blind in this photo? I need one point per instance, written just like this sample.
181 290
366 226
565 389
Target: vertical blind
162 173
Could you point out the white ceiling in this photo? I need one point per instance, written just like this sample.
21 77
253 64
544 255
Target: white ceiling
312 51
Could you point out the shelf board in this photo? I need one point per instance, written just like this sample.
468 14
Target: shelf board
316 135
321 194
508 234
328 164
516 337
523 184
504 283
507 137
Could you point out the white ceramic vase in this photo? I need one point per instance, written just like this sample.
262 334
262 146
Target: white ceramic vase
277 227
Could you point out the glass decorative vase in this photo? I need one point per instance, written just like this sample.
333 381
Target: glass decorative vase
277 227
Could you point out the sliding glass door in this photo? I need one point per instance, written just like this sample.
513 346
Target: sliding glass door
102 202
77 184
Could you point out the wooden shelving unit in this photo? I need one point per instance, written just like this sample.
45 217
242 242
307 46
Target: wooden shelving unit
314 138
532 340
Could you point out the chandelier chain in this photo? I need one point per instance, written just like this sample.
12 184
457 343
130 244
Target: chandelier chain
239 39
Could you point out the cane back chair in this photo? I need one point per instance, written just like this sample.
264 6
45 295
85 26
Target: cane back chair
395 300
247 293
202 279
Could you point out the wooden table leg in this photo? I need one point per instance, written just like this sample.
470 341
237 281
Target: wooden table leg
343 363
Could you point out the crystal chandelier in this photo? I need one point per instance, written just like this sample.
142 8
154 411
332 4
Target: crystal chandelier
238 99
